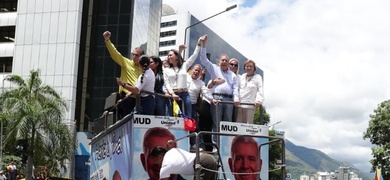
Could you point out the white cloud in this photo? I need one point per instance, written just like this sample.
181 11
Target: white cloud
325 65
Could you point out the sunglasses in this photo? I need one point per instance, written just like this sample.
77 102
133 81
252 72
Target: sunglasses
234 65
158 150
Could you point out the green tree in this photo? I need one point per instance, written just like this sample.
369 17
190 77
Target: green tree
378 132
275 154
34 113
275 149
264 116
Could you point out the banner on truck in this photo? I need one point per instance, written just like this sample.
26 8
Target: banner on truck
240 153
111 156
151 132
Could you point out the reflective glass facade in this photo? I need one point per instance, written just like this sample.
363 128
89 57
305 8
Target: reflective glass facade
215 46
132 24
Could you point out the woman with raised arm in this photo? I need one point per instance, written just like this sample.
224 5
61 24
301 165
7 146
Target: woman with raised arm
175 78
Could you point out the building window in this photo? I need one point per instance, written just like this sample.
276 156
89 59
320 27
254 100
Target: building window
8 5
167 24
168 33
5 64
168 43
7 34
163 53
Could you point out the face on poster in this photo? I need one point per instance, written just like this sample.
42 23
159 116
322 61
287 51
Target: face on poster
150 132
240 153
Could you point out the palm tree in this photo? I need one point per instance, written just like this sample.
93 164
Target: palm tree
34 112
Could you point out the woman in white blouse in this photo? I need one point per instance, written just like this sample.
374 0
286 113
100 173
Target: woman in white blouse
145 82
251 91
175 78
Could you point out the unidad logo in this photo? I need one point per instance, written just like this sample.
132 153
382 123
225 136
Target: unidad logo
168 122
253 130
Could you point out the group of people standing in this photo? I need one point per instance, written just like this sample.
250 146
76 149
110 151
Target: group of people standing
147 74
171 81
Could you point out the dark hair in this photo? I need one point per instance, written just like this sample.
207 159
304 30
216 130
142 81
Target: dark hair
179 58
144 61
156 151
159 83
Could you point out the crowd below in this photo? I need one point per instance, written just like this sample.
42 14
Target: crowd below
14 174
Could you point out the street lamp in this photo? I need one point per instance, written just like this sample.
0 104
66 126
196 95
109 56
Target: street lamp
185 31
273 125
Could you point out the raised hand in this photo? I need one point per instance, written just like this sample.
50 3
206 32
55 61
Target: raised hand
182 47
106 35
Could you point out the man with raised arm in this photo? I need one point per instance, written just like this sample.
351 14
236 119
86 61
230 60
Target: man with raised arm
130 71
226 91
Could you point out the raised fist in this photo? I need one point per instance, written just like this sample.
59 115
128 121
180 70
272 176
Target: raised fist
106 35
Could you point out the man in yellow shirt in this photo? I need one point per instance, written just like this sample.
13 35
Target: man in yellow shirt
130 72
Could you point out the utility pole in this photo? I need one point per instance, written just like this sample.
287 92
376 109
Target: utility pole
185 31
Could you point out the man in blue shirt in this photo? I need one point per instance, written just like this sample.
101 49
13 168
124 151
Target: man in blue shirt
226 91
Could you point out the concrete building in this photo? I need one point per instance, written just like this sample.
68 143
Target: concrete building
63 38
342 173
304 177
173 34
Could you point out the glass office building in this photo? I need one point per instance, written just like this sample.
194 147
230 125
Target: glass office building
132 24
63 39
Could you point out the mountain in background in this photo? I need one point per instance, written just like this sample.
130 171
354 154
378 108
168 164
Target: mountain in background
301 160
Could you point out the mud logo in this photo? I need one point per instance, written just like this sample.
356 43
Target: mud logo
138 120
230 128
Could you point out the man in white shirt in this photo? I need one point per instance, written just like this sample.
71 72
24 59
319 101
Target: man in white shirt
12 171
2 176
227 91
195 86
178 161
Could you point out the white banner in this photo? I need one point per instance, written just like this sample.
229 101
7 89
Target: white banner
147 121
243 128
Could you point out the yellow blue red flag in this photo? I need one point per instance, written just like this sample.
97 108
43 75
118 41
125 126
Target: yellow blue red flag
378 174
176 109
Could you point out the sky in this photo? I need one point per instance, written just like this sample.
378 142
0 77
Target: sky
326 64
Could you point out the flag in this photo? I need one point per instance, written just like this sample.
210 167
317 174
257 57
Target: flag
378 175
176 109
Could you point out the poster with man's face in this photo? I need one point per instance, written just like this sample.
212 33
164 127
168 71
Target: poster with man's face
241 157
150 132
